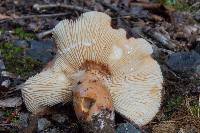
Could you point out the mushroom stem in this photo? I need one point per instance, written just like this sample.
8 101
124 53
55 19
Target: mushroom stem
93 104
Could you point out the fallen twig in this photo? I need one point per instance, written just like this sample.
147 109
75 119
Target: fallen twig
70 7
147 5
33 16
5 124
43 34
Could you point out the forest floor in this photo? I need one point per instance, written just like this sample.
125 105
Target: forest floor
171 27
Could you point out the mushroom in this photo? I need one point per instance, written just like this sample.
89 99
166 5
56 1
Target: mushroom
100 70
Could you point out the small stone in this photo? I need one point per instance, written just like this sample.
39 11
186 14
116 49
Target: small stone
127 128
22 43
2 66
42 45
196 90
32 26
23 119
197 16
184 62
59 118
43 123
197 70
6 83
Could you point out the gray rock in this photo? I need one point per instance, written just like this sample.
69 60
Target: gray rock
22 43
42 45
43 56
184 62
43 123
59 118
127 128
23 119
41 50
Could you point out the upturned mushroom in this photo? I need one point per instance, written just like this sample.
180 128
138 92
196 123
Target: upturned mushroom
100 70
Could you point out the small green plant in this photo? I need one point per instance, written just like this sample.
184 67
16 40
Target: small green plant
15 120
22 34
7 113
195 110
16 62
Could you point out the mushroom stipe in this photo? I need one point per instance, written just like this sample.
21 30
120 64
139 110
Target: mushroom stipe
100 70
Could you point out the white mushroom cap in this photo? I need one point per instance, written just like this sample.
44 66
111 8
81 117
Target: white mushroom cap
46 89
135 80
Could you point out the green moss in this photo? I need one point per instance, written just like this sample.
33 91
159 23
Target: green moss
177 4
180 6
23 35
1 31
16 62
172 105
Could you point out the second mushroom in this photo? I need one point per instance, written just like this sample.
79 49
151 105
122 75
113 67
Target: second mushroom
100 70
